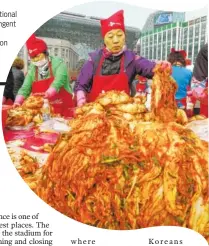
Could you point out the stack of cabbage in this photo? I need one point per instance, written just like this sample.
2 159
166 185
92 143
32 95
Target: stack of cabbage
114 173
28 112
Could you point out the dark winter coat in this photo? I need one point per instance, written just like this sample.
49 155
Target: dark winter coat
200 71
18 79
8 90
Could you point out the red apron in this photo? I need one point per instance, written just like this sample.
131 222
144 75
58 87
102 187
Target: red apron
140 87
204 104
182 102
9 102
101 83
62 102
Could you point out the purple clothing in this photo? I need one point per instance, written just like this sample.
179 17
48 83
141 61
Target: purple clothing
133 65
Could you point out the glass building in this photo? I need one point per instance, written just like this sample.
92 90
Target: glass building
173 32
194 36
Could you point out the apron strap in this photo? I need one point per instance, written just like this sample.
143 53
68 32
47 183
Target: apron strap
99 65
122 67
50 71
36 75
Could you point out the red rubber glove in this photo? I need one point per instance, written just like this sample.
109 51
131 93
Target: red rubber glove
51 92
165 66
81 98
198 93
18 100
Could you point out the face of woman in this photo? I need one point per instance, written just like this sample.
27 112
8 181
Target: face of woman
115 40
39 60
39 57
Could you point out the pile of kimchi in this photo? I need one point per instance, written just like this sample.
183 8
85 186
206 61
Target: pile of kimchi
121 167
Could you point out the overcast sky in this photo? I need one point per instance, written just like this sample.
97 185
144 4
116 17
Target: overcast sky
134 16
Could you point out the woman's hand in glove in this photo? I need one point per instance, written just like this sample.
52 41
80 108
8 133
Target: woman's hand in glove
18 101
198 93
163 66
81 98
51 92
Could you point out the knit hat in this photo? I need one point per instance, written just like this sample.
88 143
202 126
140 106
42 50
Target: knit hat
182 52
35 46
116 21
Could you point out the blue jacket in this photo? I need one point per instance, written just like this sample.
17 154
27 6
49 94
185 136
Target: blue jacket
182 77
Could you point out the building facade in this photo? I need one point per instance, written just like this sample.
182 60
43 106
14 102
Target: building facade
194 36
188 35
161 17
63 49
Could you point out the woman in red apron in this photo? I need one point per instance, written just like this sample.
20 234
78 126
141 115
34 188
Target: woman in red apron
113 67
200 93
106 83
61 102
200 79
47 75
204 102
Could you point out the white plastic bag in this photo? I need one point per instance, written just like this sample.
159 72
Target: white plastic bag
57 125
200 127
21 128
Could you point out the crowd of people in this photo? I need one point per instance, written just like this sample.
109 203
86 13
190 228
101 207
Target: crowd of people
114 67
